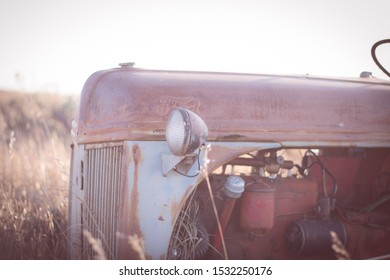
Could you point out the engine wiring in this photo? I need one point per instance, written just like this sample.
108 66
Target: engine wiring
318 161
374 57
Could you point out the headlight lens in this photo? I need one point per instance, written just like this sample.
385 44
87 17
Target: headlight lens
185 131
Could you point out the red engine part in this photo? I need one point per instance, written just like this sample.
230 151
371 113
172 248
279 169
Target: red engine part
258 207
292 199
295 196
366 238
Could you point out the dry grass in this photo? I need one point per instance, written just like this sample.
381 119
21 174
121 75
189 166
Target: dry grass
185 238
34 164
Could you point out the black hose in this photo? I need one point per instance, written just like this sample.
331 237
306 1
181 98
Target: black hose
335 187
373 54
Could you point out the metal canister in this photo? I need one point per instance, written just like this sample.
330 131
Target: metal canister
257 207
311 236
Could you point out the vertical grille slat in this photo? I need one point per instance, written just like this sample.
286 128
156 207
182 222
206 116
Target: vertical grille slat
101 196
116 172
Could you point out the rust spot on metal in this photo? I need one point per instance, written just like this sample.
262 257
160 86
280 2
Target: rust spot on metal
137 156
134 195
170 102
177 206
175 210
130 222
231 137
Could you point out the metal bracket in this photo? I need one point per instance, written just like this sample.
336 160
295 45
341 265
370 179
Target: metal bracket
169 161
182 164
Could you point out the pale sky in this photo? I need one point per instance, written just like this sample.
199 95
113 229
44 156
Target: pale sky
53 46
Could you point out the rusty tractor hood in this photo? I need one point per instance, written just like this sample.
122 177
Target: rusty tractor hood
133 104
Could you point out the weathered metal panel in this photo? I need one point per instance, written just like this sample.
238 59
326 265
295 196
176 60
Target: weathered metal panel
120 191
102 172
151 201
75 196
133 104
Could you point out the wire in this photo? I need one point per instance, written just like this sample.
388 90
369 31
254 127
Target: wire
183 174
302 170
373 54
190 176
335 187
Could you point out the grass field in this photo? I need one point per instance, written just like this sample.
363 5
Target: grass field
34 167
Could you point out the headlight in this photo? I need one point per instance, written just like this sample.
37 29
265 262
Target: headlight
185 131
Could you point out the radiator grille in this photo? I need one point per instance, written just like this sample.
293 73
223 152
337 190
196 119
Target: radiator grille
101 183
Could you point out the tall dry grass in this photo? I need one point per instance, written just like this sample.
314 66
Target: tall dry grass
34 164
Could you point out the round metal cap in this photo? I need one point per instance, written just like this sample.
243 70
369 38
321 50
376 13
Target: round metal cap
234 187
